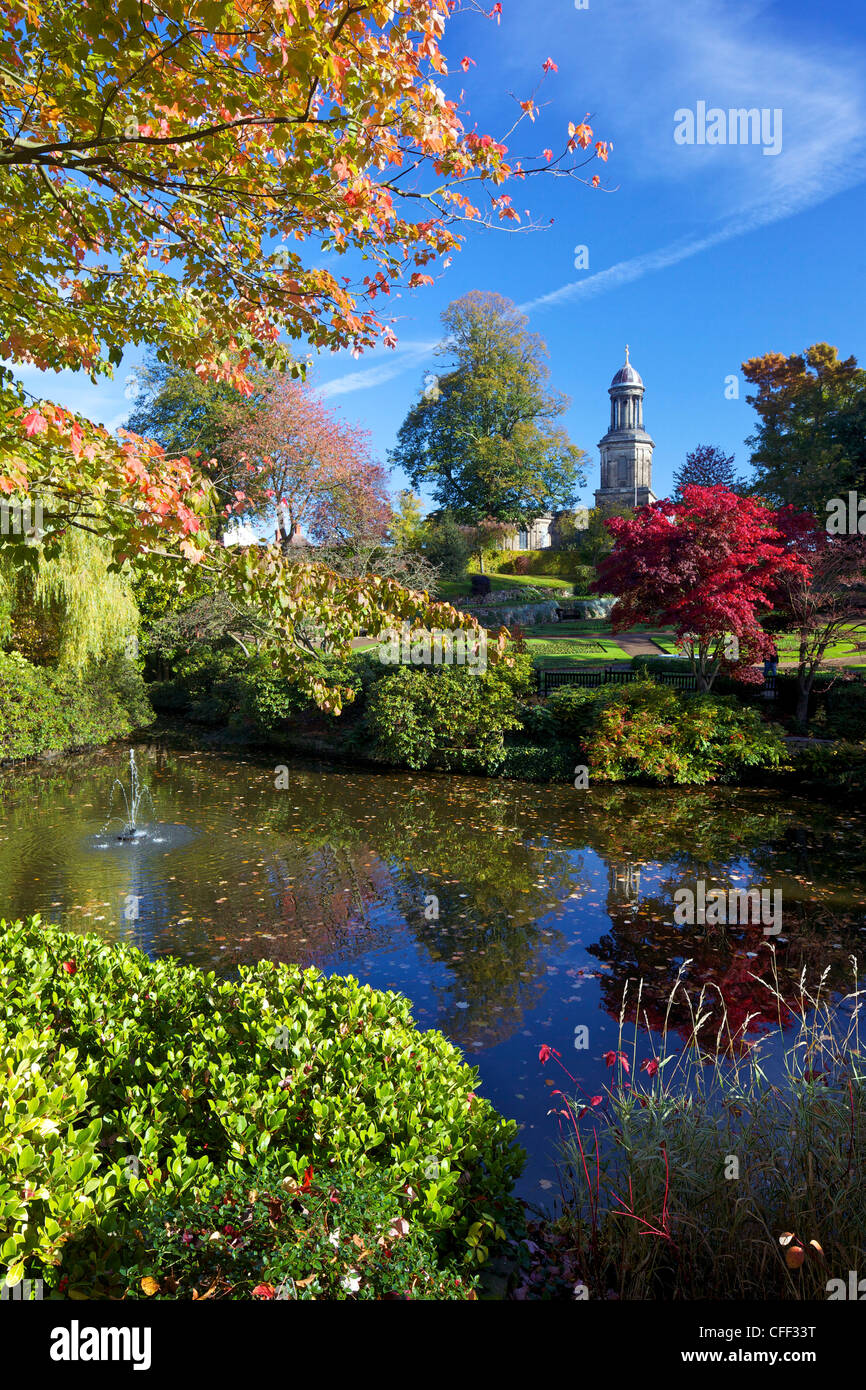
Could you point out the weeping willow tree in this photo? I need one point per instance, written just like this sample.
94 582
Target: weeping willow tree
69 610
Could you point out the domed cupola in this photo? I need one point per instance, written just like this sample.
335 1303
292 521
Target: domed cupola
627 376
626 449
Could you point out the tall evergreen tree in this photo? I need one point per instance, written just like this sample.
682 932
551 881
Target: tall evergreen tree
705 466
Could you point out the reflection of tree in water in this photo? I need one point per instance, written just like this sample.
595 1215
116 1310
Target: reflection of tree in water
321 873
752 847
491 884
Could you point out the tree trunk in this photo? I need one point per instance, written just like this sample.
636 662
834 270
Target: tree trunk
804 687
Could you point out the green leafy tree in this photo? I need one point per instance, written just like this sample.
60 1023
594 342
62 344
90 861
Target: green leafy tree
447 545
68 608
595 541
486 437
810 442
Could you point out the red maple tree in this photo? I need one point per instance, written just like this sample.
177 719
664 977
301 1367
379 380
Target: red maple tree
705 566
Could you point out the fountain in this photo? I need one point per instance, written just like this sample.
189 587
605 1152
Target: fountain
126 834
137 794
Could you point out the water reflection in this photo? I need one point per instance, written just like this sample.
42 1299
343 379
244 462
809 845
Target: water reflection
510 914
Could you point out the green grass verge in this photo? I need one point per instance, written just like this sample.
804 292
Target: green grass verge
461 588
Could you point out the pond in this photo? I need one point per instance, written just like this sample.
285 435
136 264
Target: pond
511 914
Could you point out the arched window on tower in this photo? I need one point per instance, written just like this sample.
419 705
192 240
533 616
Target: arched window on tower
621 472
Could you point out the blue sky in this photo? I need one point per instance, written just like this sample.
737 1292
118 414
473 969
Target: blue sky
699 255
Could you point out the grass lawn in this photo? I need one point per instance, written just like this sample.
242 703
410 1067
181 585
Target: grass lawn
462 588
853 645
788 645
575 652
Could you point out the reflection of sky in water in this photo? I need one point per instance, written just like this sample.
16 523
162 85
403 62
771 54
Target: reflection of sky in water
549 899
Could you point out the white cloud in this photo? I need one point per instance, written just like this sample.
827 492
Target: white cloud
400 359
669 54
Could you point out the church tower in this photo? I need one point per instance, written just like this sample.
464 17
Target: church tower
626 449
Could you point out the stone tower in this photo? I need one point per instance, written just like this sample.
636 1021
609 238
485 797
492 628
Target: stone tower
626 449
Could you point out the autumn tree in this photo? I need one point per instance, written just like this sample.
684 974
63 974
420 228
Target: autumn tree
706 566
195 176
487 441
189 414
823 600
407 521
305 466
810 442
705 466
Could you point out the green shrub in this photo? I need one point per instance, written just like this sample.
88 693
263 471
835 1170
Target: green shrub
650 731
207 685
446 717
271 700
538 762
169 697
345 1235
844 713
839 767
574 709
49 1190
44 710
220 685
197 1082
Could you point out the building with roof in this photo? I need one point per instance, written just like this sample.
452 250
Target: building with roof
626 462
626 449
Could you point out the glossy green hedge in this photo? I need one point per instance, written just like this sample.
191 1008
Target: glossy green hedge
49 1188
194 1079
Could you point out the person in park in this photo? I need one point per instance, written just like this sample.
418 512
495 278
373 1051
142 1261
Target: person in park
771 663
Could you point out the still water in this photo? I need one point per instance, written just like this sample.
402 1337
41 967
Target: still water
511 914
